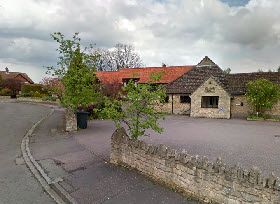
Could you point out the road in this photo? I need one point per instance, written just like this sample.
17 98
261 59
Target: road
17 185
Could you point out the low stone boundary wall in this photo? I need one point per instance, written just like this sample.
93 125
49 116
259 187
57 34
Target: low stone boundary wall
193 175
5 97
35 100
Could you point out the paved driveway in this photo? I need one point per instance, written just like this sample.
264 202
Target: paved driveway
17 185
236 141
250 143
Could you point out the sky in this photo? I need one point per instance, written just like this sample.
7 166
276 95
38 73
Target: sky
241 34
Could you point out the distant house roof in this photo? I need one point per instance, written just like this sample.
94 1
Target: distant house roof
168 74
234 84
13 75
237 82
190 81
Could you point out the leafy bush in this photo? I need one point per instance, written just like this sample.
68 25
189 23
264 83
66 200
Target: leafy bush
33 90
36 94
262 94
13 85
26 94
5 92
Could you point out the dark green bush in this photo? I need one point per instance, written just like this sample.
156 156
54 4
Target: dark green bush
5 92
33 90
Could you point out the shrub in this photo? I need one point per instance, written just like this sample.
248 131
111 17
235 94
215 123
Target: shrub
36 94
34 90
5 92
262 94
13 85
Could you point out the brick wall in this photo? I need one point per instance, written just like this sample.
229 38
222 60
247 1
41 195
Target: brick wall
210 88
193 175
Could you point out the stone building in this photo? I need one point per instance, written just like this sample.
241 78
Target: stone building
112 81
201 90
212 93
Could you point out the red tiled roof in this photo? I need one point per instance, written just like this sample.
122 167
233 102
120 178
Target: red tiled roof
168 74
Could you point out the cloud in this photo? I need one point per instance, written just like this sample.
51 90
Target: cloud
244 36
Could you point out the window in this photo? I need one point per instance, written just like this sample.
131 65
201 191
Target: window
209 101
126 80
185 99
166 99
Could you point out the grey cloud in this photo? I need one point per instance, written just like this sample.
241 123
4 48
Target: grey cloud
171 31
250 29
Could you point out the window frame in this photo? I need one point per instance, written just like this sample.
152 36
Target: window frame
125 81
185 101
212 102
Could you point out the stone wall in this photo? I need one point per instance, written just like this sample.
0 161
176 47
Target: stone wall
4 98
70 121
240 107
239 111
178 107
193 175
210 88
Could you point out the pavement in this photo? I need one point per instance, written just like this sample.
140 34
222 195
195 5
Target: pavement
81 159
17 185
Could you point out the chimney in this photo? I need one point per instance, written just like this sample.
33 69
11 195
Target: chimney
7 70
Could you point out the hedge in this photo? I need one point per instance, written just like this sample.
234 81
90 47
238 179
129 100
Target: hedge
31 89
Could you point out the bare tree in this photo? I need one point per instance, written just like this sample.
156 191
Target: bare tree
121 56
126 57
105 61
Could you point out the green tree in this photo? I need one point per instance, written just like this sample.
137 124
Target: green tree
262 94
75 69
278 69
67 50
137 109
80 87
